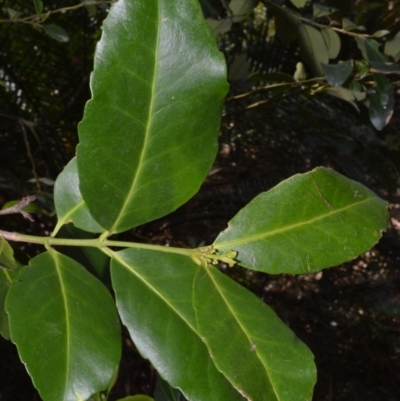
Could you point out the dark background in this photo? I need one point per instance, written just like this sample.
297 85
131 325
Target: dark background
348 315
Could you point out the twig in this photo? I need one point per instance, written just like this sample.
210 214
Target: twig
18 208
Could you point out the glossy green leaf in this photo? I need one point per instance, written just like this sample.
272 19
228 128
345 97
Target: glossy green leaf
381 105
65 325
154 299
337 74
313 48
299 3
157 90
241 8
249 344
164 392
68 201
392 47
6 278
321 217
332 41
56 32
7 260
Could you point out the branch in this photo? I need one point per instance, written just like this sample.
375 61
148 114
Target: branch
18 208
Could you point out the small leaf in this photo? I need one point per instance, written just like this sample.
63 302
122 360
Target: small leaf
299 3
321 11
392 47
56 32
73 343
250 345
161 320
7 260
337 74
70 207
149 105
348 25
380 34
313 48
219 26
38 6
332 41
316 214
241 8
381 106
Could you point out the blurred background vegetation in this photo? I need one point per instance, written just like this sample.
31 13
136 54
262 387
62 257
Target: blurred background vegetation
273 126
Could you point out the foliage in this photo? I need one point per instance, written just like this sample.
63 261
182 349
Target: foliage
136 161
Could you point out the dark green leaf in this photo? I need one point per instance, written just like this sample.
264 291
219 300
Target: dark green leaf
370 49
6 278
154 299
7 260
56 32
164 392
313 48
241 8
381 106
70 207
287 25
323 218
384 68
332 41
38 6
150 107
337 74
73 344
392 47
250 345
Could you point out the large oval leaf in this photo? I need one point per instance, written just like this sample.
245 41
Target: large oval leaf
306 223
65 325
249 344
68 201
157 86
154 299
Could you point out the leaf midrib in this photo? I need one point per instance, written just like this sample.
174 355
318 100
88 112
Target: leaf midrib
282 230
146 136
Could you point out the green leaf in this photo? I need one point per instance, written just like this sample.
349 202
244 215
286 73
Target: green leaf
381 106
370 49
154 299
7 260
38 6
56 32
150 107
313 48
219 26
321 11
323 218
241 8
392 47
337 74
384 68
164 392
6 278
250 345
73 343
31 208
68 201
332 41
348 25
299 3
138 397
380 34
287 25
